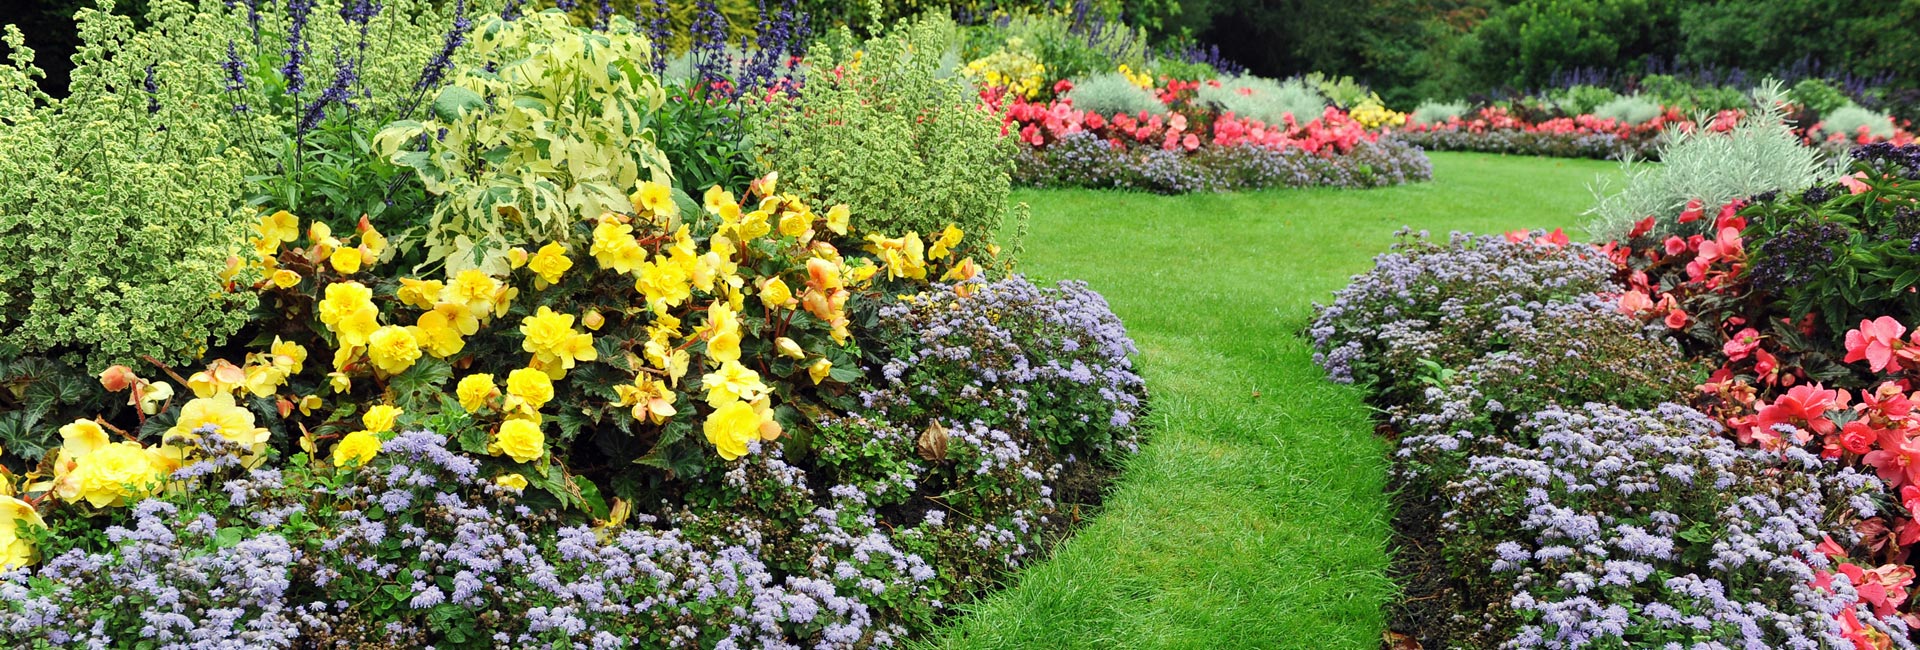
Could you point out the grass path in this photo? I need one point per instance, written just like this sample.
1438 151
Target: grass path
1254 517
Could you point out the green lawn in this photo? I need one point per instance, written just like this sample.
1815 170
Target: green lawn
1254 516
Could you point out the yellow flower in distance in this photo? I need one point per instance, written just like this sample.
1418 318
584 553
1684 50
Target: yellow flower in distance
513 482
279 227
285 279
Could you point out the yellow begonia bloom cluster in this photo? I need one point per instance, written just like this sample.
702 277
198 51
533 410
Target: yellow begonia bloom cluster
102 473
1372 115
356 449
555 345
1142 78
1012 68
521 440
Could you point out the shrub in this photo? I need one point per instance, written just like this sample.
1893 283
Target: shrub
557 134
1630 109
1846 255
1074 44
1446 303
1583 99
1690 98
1112 93
1757 155
1817 96
1851 121
904 147
1437 112
1265 99
119 206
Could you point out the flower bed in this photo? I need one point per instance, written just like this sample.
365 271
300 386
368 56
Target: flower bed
1494 129
506 354
1068 147
1565 481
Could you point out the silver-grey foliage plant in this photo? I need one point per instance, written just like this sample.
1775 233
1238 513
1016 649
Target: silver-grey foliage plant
1757 155
1112 93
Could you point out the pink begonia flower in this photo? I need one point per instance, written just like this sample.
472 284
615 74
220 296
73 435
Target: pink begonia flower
1693 212
1804 403
1876 341
1897 460
1741 345
1676 246
1858 437
1855 182
1190 142
1676 319
1635 301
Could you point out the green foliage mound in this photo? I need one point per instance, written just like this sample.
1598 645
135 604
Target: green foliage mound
905 147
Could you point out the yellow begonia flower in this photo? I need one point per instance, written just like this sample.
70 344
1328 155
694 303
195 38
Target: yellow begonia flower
157 393
348 311
516 257
614 246
218 414
731 427
221 376
795 224
513 482
371 239
776 295
393 349
116 474
553 341
419 294
356 449
339 382
264 379
819 370
380 418
550 263
948 239
663 284
473 289
285 279
520 440
441 330
288 355
655 199
788 348
732 382
476 390
962 271
17 521
651 400
309 404
715 199
345 260
593 320
280 226
528 389
837 217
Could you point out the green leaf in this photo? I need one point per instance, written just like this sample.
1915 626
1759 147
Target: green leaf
229 537
454 102
591 500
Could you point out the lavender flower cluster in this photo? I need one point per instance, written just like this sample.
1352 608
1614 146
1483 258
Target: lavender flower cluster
1086 160
1623 521
1648 528
419 549
1553 354
1603 146
1053 362
1447 302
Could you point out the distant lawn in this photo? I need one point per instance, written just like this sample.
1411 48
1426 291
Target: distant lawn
1254 517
